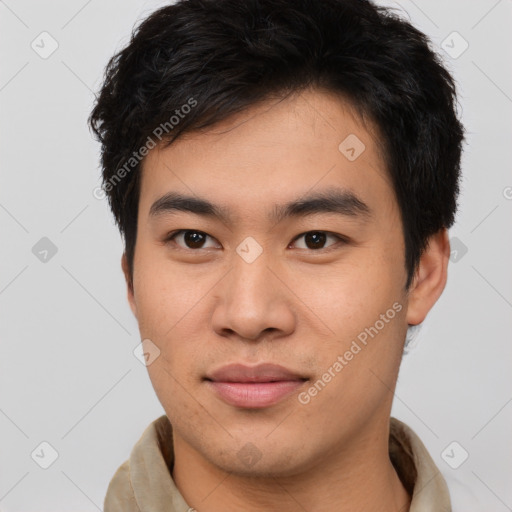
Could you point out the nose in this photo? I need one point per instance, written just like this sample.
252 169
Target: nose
253 301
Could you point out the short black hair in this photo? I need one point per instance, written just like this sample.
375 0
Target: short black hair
194 63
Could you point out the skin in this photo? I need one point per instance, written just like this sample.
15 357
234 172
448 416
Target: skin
295 306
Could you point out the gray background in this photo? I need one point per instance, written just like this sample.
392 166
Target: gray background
68 375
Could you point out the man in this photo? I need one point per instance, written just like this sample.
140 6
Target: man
284 174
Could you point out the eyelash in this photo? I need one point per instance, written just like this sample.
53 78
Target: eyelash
171 236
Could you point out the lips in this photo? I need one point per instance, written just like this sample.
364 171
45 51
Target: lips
254 387
265 372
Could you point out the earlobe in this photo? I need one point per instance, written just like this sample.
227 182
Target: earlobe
129 284
430 278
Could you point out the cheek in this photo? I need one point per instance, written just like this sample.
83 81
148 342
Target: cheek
362 305
170 303
163 294
349 296
176 392
167 316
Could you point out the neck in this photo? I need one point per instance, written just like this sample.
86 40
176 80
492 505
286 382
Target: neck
358 477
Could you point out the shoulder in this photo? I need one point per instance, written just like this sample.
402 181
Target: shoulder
120 495
144 481
417 470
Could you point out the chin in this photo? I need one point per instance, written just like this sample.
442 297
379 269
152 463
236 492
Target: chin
263 470
259 460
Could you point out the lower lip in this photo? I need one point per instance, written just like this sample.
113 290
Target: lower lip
255 394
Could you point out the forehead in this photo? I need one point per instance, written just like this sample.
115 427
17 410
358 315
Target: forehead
272 153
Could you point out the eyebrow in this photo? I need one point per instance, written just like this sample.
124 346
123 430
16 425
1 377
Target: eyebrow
340 201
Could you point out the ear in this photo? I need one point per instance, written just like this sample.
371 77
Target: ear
129 284
430 278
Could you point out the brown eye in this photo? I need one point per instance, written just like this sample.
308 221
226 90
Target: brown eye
316 240
194 239
188 239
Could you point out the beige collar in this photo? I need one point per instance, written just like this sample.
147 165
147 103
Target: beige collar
144 482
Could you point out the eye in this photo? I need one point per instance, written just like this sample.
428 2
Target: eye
189 239
194 239
316 240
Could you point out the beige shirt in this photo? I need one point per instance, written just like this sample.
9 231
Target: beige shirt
144 483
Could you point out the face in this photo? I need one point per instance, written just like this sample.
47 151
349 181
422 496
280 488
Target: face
317 288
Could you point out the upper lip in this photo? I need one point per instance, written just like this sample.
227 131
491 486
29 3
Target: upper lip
264 372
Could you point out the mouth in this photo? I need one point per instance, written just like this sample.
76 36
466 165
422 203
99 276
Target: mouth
254 387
